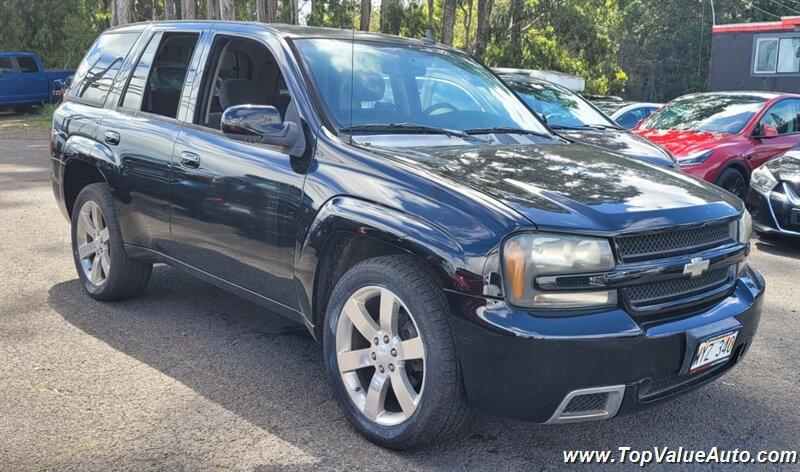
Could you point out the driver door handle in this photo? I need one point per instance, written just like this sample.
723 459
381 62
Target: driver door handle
190 160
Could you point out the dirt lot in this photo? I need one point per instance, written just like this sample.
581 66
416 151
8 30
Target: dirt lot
190 377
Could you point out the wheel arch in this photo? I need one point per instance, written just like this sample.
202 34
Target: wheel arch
85 162
348 230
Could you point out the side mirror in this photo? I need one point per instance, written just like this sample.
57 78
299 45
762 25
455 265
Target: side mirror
261 124
768 131
67 82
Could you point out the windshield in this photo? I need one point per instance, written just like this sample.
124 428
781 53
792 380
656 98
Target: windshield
714 113
559 106
369 86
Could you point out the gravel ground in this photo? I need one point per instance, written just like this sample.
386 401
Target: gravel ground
190 377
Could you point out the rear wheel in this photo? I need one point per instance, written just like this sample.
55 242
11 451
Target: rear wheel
733 181
104 268
390 355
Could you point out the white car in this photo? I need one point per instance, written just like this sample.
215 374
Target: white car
627 114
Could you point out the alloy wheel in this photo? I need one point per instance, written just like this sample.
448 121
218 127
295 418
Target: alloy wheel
735 184
92 239
381 356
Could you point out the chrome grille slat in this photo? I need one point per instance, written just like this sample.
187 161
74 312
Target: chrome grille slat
676 241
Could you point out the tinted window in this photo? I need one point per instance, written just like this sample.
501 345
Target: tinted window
353 81
783 116
27 64
162 91
789 54
135 90
5 64
629 119
766 55
713 112
97 71
559 106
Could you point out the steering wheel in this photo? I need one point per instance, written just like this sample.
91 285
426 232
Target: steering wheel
428 111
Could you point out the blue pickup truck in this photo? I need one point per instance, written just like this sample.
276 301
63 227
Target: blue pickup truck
24 81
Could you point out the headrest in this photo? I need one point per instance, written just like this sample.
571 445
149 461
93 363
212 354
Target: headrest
241 92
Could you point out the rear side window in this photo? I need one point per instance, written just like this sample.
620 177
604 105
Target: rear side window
6 65
27 64
157 81
97 71
783 116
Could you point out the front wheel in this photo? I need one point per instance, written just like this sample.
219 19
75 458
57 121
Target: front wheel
390 355
733 181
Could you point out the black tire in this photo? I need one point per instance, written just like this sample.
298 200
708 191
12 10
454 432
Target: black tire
128 277
442 409
733 181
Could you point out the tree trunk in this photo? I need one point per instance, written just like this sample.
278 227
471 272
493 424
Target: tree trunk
112 13
366 12
295 13
227 10
153 11
449 21
272 11
171 9
261 11
125 12
188 9
431 8
212 9
515 30
484 12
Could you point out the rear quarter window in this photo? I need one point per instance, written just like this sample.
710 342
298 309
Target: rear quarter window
97 71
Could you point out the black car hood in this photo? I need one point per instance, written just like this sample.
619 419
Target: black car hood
574 186
623 142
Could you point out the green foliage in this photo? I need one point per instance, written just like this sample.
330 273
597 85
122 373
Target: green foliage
60 31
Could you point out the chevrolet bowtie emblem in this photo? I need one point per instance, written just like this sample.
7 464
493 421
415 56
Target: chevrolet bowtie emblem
695 267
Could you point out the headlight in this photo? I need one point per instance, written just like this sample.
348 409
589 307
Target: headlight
528 256
763 181
694 158
745 227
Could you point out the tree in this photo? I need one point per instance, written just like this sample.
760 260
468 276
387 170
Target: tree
171 9
227 10
188 9
261 11
449 21
295 18
124 12
482 33
366 11
515 27
272 11
212 9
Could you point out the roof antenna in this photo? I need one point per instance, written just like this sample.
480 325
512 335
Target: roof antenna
429 37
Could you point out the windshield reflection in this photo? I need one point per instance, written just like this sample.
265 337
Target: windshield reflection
364 85
712 112
559 106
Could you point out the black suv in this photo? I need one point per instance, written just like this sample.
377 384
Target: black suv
393 196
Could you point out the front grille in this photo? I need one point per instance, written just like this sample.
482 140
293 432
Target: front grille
675 290
590 402
672 242
572 281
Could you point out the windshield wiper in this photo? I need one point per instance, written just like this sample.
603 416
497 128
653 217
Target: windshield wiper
580 127
408 128
506 130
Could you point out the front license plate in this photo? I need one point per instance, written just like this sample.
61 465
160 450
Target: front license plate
713 351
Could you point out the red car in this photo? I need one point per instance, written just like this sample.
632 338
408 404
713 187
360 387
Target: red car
722 136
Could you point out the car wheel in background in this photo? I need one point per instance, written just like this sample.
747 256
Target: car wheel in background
733 181
103 266
390 355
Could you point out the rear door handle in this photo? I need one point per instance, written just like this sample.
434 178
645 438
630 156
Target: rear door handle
112 137
190 160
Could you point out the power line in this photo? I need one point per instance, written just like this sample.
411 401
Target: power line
764 11
784 6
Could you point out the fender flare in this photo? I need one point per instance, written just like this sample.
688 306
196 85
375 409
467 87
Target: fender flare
393 227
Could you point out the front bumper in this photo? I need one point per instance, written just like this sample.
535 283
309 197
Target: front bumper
522 366
775 214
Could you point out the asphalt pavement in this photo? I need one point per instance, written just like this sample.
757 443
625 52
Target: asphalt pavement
189 377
